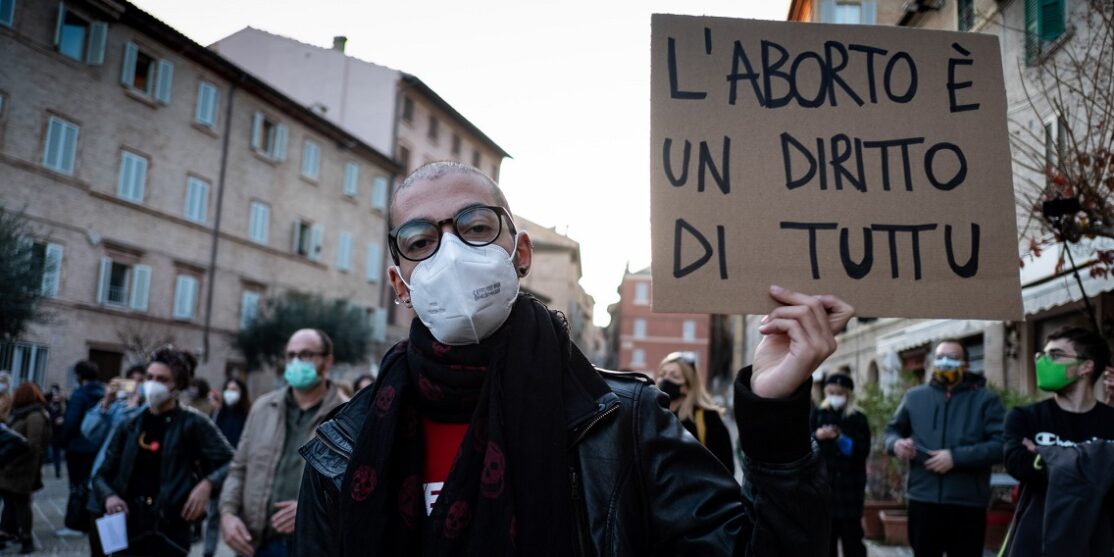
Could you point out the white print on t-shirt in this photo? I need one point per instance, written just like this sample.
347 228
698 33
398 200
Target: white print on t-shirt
1049 439
432 490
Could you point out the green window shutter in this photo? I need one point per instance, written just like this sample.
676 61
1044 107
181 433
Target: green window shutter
1032 31
1051 19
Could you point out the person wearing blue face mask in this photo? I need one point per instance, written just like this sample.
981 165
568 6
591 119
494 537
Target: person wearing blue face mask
260 498
950 431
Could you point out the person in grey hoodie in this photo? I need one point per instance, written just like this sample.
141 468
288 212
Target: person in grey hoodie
950 431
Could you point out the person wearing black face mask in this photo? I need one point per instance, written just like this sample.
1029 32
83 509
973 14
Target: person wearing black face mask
677 378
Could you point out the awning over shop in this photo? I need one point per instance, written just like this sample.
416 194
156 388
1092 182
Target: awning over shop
921 332
1062 290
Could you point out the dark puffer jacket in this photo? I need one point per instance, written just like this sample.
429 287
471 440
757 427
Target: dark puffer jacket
968 420
640 484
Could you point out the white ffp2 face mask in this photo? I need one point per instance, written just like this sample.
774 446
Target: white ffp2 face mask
837 402
156 393
463 293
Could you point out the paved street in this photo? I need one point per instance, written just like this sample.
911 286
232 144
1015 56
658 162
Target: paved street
50 507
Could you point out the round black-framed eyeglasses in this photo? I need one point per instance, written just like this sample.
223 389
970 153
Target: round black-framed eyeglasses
477 226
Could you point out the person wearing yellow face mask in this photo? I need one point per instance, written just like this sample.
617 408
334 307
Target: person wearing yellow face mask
1070 423
950 431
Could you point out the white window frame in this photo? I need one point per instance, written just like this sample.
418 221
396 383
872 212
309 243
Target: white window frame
132 181
185 297
197 200
259 222
379 186
344 252
351 179
61 135
311 160
208 98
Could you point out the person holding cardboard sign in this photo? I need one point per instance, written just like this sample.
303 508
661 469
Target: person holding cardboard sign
488 432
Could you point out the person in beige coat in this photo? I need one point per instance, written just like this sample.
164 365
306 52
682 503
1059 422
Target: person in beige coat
260 496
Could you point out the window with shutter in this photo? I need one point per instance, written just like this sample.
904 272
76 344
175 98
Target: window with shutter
197 200
52 270
379 193
71 34
98 36
141 286
185 297
206 111
351 179
7 12
344 252
259 222
133 177
60 147
165 75
374 262
249 308
311 160
316 241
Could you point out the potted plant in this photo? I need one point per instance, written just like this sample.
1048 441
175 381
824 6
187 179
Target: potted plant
885 487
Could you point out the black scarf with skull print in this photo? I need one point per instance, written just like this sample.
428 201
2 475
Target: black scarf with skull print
508 492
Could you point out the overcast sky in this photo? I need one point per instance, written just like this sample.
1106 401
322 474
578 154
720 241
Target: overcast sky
562 86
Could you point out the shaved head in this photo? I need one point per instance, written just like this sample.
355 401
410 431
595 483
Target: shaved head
436 170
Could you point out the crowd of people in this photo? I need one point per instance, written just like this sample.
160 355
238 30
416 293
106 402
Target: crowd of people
488 432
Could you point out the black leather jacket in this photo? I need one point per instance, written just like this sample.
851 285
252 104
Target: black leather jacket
194 450
641 484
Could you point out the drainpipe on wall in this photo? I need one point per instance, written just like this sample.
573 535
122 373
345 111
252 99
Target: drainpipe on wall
216 224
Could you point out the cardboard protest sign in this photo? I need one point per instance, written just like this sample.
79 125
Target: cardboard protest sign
868 162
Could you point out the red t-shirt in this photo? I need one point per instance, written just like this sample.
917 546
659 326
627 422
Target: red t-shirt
442 441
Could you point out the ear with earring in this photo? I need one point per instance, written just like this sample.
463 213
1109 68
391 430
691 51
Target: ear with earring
404 301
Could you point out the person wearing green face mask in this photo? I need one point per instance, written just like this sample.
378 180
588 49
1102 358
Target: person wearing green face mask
260 498
1070 365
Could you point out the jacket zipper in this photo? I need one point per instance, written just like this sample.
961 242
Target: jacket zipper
943 446
578 511
593 422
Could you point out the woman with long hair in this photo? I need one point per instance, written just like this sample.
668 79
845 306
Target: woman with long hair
161 466
844 437
24 475
692 404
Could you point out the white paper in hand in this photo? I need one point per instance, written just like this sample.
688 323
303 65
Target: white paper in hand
113 530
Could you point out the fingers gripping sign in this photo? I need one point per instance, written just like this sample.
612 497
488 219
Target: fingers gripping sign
797 338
